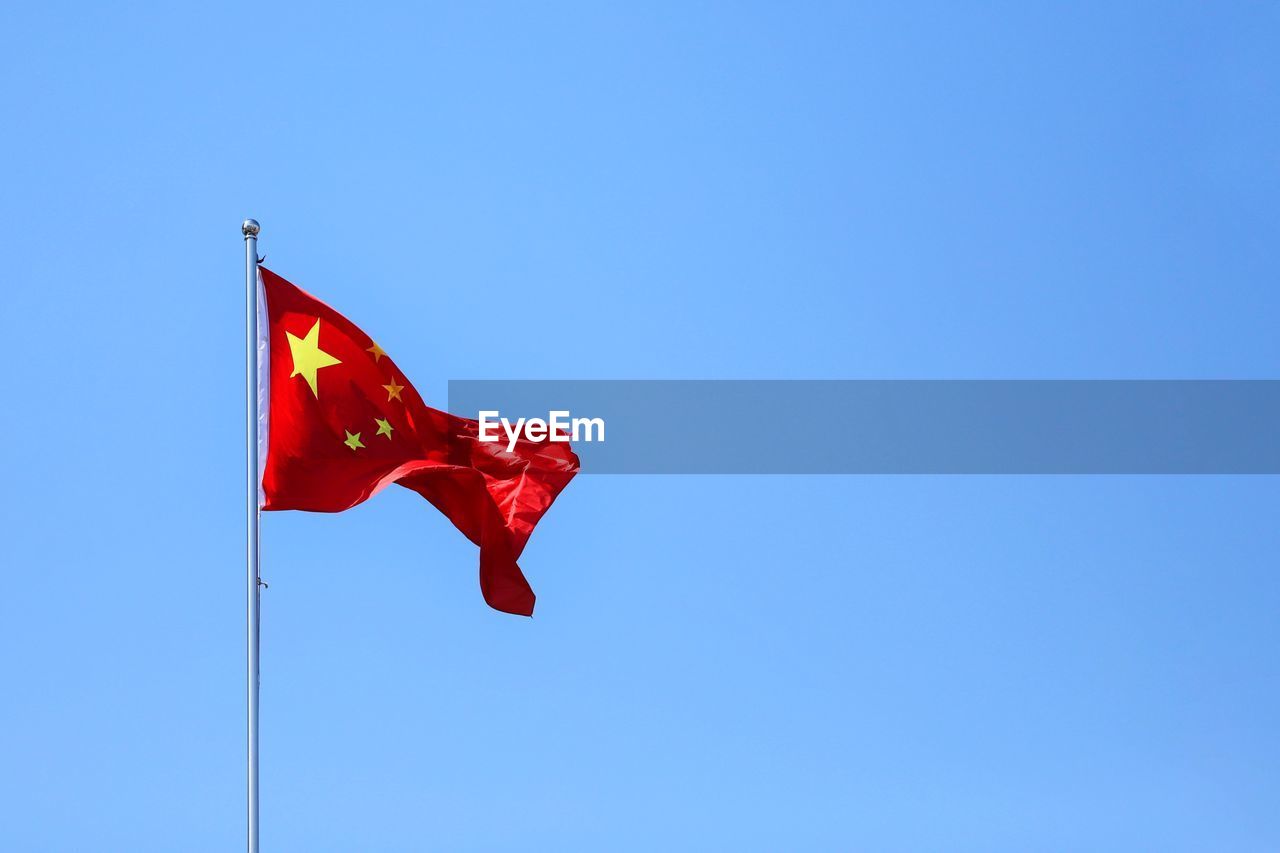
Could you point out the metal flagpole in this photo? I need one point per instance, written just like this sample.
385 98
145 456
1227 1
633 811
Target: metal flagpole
253 601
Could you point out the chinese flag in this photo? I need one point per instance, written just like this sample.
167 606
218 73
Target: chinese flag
341 422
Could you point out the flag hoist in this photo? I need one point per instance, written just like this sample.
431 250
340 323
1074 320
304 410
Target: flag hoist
331 420
253 503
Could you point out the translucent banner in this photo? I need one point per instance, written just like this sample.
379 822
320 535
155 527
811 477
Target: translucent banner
892 426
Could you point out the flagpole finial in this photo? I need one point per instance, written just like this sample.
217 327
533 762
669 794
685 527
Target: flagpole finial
250 228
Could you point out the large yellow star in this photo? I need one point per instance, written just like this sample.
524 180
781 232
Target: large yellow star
308 357
384 427
393 390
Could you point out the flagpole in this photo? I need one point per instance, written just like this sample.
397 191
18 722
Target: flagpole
250 229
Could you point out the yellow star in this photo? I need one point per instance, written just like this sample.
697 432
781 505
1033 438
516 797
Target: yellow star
384 427
377 353
308 357
353 441
393 390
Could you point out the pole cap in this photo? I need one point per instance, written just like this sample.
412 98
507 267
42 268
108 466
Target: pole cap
250 227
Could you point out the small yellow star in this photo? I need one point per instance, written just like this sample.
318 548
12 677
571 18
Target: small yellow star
393 390
353 441
377 353
384 427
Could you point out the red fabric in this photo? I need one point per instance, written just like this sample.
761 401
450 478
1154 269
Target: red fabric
493 496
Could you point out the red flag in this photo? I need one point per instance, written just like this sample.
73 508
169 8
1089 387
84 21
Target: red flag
343 422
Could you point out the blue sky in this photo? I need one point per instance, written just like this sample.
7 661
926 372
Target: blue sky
683 191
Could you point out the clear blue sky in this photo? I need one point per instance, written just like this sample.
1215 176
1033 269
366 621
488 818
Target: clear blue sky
693 190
